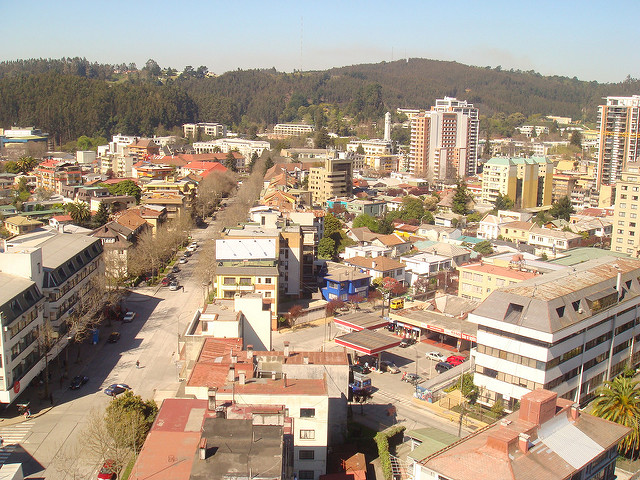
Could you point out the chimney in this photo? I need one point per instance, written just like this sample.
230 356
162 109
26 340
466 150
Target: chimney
538 406
523 442
619 284
231 376
286 349
574 411
242 377
234 358
284 377
211 394
305 360
250 353
202 448
373 265
273 375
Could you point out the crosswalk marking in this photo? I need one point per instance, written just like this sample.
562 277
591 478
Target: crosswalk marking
11 438
395 398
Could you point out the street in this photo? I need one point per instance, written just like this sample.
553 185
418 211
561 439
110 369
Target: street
51 446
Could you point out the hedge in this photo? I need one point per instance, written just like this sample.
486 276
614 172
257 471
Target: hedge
382 440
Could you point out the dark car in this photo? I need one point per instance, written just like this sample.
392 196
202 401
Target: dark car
388 366
78 381
443 367
360 369
175 269
114 337
390 326
411 378
367 360
116 389
406 342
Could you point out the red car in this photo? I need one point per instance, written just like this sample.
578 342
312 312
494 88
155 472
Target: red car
108 470
455 360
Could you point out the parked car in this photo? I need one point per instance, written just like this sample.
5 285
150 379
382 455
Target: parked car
443 367
108 470
165 281
174 286
78 381
116 389
191 248
187 253
412 378
388 366
359 369
128 317
406 342
455 360
175 269
114 337
437 356
390 326
183 260
367 360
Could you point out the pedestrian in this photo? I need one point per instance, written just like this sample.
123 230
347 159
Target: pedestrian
1 442
51 398
137 363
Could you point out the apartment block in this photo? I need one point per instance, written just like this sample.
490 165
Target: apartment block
618 144
565 331
478 280
210 129
53 175
552 242
625 237
371 147
444 141
293 129
528 182
246 148
334 179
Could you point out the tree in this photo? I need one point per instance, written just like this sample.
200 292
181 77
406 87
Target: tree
576 139
562 209
230 162
102 215
268 163
12 167
461 199
364 220
618 401
331 225
294 313
503 202
332 306
321 138
484 247
79 211
360 149
254 158
126 187
26 163
412 208
326 247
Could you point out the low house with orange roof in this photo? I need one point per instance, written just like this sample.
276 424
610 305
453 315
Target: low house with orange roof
59 221
174 203
516 232
379 267
478 280
152 171
547 438
202 168
143 147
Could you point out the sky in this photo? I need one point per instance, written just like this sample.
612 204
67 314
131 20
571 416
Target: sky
591 40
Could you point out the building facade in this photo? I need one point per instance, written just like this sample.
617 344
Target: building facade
444 140
293 129
334 179
528 182
565 332
625 237
618 144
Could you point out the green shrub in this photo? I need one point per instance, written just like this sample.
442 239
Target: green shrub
382 441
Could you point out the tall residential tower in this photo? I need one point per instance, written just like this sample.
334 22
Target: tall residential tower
444 140
618 137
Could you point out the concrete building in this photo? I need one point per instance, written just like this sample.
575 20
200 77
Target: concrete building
625 217
478 280
194 130
53 175
293 129
343 282
18 224
552 242
561 331
618 144
334 179
379 267
371 147
246 148
549 437
444 141
528 182
529 129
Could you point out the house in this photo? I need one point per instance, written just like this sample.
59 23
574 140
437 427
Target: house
516 232
458 255
203 168
17 225
175 204
424 265
380 267
59 221
551 242
143 147
343 282
548 437
438 233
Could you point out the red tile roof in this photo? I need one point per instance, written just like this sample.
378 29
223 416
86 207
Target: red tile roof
379 264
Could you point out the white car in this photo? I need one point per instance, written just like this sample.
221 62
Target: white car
128 317
173 286
436 356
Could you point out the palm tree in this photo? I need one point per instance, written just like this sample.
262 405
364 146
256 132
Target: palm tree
619 401
26 163
79 211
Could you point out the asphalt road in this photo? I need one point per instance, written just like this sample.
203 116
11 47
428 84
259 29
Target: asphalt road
51 446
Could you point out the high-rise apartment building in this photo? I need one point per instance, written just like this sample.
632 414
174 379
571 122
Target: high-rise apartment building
618 137
625 237
526 181
335 179
444 140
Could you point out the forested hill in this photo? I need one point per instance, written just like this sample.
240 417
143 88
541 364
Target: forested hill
73 97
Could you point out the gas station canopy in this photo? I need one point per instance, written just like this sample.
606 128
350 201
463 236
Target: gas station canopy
368 342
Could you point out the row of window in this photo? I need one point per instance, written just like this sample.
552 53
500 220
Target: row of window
27 318
58 294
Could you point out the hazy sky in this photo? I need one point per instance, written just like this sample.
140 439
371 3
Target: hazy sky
587 39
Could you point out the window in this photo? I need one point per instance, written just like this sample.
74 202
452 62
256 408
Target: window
307 412
267 280
267 294
306 454
306 474
307 434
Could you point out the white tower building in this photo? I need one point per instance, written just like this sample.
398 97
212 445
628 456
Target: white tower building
387 127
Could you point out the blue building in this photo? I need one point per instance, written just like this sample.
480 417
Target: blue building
342 282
